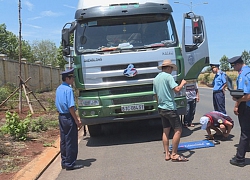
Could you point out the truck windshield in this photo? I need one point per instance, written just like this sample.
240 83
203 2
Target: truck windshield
131 32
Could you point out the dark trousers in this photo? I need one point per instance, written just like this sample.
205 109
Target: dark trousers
69 140
191 107
219 101
244 120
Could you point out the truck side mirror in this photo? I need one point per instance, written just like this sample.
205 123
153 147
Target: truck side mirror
196 25
197 30
65 41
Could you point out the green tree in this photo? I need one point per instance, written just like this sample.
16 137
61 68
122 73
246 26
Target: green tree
26 52
45 51
224 64
9 44
246 57
3 38
60 59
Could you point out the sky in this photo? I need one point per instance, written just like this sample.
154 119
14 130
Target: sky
227 21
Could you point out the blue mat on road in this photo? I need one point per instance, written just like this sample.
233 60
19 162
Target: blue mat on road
194 145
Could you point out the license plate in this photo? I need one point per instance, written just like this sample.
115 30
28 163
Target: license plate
135 107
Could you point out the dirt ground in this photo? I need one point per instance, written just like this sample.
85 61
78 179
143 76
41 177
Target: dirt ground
16 154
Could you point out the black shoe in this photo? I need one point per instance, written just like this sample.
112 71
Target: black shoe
248 149
63 167
74 167
233 161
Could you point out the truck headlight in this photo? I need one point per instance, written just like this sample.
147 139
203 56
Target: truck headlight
89 102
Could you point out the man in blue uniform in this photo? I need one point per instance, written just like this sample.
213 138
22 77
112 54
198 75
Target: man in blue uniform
68 121
242 109
219 85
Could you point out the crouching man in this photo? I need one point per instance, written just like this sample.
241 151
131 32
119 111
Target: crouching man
217 121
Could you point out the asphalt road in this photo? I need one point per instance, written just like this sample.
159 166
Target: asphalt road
134 151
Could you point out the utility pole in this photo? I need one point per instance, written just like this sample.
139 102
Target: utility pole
20 55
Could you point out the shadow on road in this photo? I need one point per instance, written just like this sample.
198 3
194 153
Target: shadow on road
131 132
86 162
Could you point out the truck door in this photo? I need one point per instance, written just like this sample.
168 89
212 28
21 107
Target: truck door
194 45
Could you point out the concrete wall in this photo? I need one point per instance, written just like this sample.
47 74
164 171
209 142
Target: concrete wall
43 78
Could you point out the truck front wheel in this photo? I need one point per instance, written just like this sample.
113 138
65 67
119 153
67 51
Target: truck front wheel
95 130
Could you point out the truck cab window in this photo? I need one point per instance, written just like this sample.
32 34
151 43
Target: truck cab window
135 32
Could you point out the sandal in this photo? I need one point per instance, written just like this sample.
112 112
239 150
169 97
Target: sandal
180 159
191 125
167 159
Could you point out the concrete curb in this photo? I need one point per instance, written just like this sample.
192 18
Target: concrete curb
38 165
34 169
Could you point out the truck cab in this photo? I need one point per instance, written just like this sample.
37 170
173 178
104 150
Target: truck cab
117 48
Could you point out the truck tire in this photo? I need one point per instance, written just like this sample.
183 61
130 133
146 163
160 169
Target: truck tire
95 130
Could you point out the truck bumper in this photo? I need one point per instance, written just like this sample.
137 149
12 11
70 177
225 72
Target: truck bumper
103 120
136 117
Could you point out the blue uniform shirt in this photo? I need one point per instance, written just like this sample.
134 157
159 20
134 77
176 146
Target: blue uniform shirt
64 98
219 81
243 81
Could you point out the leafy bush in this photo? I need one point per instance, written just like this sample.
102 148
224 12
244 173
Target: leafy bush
52 105
17 128
52 123
38 125
5 92
206 78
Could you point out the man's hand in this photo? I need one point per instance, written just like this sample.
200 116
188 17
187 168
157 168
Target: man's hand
224 90
236 111
183 82
235 99
79 124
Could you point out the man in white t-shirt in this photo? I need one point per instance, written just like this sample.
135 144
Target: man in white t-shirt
192 95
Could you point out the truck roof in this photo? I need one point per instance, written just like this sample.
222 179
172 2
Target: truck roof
84 4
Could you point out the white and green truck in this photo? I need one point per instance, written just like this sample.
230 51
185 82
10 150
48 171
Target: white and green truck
118 45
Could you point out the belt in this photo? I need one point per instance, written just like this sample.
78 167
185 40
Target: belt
217 91
64 113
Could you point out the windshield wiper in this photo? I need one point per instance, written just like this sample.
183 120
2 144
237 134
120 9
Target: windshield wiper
154 45
165 43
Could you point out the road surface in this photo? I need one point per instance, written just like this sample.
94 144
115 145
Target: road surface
134 151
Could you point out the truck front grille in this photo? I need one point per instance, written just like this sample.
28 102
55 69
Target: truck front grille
124 78
133 99
136 65
134 89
